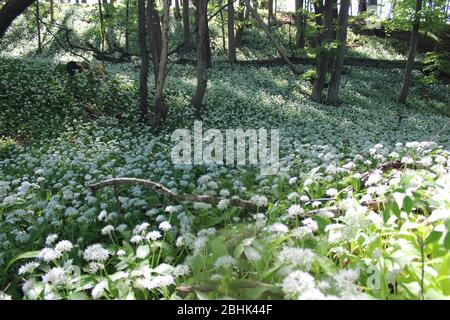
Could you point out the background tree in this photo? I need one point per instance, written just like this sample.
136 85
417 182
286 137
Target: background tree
143 78
160 110
411 54
338 62
323 51
202 53
231 35
186 27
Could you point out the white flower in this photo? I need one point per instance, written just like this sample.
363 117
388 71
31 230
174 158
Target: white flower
180 241
48 254
332 192
224 261
107 230
64 246
297 257
223 204
439 214
51 238
295 210
4 296
120 253
102 216
374 178
201 205
28 268
136 239
297 283
55 276
99 289
407 160
96 252
304 198
153 235
155 282
171 209
165 226
259 201
278 227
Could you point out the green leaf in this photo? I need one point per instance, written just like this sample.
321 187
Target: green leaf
26 255
433 237
78 296
407 204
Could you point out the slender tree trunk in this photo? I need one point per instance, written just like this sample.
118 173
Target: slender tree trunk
202 78
299 18
412 52
323 55
362 6
177 10
38 23
127 26
154 36
102 24
336 73
222 25
231 37
270 14
143 92
318 17
240 28
279 47
186 27
52 11
160 110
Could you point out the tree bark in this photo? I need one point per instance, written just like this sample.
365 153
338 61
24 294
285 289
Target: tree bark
231 36
270 12
154 36
202 78
299 18
186 27
177 10
412 52
336 73
52 11
362 6
143 89
279 47
160 110
127 26
240 28
38 23
323 55
10 11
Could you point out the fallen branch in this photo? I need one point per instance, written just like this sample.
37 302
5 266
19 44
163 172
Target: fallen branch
348 61
169 194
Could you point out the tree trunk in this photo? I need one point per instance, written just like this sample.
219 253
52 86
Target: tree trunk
279 47
299 18
127 26
177 10
323 55
222 25
240 28
270 13
154 36
102 24
10 11
38 23
318 17
362 6
336 74
142 31
231 37
202 79
160 110
412 52
186 27
52 11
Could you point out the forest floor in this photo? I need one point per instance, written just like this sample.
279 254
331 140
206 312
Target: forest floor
334 223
